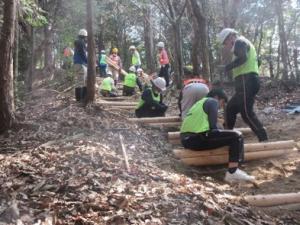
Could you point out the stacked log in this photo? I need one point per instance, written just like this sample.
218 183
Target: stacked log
253 151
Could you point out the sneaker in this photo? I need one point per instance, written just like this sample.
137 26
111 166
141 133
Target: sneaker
238 176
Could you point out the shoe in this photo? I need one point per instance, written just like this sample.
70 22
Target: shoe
238 176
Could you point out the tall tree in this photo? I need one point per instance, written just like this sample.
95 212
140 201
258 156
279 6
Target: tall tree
282 36
7 107
148 38
198 12
91 70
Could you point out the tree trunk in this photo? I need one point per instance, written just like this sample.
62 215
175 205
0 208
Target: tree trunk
201 19
28 79
195 41
100 41
16 56
178 54
283 41
148 37
48 56
91 71
7 106
296 66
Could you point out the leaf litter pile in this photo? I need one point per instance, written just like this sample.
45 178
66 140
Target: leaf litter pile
63 164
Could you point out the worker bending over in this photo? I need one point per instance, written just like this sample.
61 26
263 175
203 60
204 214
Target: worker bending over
199 132
151 102
107 87
130 82
195 88
244 67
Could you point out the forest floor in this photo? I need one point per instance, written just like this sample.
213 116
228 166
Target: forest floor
63 164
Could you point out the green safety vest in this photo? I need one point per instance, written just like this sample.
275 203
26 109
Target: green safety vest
251 65
196 120
102 60
155 98
130 80
135 60
106 84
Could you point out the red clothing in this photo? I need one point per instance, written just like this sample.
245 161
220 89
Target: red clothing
163 57
116 59
195 80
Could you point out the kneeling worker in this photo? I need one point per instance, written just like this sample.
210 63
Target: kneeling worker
151 104
199 132
130 82
107 87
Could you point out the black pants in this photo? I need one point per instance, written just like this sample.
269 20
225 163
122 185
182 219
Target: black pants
246 87
164 72
80 93
151 111
105 93
216 139
128 91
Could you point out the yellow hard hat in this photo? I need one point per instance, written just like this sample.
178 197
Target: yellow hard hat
115 50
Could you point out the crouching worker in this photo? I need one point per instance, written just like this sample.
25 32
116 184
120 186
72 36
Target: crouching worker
130 82
107 87
151 104
199 132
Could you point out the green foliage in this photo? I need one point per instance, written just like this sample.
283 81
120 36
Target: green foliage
32 13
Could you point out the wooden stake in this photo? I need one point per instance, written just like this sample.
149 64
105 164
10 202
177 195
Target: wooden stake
128 107
273 199
124 153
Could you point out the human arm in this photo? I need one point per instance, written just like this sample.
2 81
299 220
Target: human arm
240 51
139 83
211 108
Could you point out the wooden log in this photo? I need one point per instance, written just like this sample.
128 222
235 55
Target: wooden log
251 147
272 199
127 107
223 159
165 125
176 135
119 98
106 103
156 119
124 153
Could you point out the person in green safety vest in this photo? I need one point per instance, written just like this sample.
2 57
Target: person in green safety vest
131 80
102 63
244 67
151 102
107 87
135 57
199 131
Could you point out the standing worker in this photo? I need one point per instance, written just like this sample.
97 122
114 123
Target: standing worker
107 87
151 102
117 61
195 88
130 82
102 63
80 65
244 67
135 57
163 62
199 131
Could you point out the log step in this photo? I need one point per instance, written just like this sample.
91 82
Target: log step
217 156
272 199
107 103
156 119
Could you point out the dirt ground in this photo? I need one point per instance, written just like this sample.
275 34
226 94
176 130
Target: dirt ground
63 164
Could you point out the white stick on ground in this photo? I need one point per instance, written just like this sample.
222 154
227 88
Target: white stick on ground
124 153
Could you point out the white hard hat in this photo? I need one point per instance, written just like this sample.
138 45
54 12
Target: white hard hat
109 73
83 32
102 51
160 83
132 47
224 34
132 69
160 44
139 70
